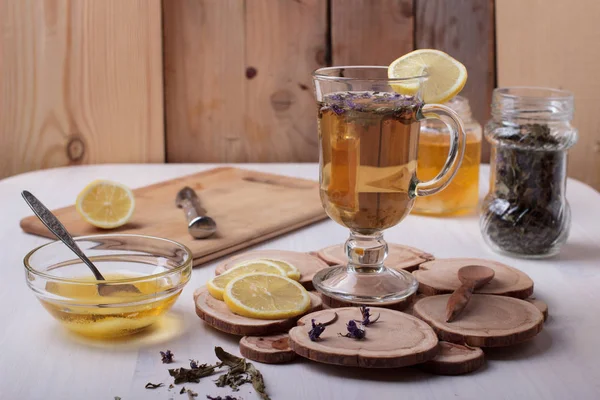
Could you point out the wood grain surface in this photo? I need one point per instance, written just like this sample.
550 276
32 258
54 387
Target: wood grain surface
465 30
237 79
366 32
532 52
441 276
395 340
80 83
454 359
234 198
487 321
273 349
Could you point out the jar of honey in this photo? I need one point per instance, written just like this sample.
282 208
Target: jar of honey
462 194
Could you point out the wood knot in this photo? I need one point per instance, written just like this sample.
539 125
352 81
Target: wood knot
281 100
251 72
75 148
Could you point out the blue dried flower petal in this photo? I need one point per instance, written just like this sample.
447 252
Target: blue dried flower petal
354 330
316 331
337 109
336 97
166 357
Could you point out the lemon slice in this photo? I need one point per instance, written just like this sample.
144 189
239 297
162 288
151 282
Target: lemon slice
105 204
446 76
216 286
266 296
290 270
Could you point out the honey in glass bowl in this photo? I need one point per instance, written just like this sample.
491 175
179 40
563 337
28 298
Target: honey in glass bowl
158 268
461 196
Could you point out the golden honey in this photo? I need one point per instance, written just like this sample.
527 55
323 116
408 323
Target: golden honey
90 314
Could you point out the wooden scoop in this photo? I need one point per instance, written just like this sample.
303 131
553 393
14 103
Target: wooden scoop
472 277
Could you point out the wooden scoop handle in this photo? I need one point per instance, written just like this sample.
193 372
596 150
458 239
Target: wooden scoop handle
458 301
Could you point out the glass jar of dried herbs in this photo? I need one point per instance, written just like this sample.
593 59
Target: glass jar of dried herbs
526 213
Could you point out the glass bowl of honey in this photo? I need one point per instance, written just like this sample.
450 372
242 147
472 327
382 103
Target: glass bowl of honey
158 268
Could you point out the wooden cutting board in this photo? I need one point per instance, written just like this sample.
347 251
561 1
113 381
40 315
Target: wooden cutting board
249 207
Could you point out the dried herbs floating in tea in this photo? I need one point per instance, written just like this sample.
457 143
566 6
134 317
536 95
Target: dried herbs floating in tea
151 385
166 357
355 331
525 211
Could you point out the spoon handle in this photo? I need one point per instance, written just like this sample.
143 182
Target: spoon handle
459 300
54 225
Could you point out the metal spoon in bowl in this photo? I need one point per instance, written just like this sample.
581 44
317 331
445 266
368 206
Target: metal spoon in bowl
54 225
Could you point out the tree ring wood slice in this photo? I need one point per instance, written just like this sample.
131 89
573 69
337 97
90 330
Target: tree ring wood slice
395 340
440 276
542 306
307 264
216 314
273 349
330 302
454 359
487 321
409 308
399 256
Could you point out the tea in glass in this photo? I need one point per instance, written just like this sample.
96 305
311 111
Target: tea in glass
369 155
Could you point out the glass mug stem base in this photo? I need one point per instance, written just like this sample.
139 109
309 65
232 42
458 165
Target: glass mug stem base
365 280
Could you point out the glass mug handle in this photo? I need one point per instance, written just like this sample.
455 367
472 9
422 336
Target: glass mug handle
458 140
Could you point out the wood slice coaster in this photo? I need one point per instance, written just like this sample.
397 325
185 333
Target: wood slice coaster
330 302
307 264
487 321
409 308
216 314
543 307
396 340
399 256
274 349
440 276
454 359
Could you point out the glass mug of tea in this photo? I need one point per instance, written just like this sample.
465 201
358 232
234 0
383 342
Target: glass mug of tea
368 144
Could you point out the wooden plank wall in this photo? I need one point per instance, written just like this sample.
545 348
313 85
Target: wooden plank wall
237 72
465 30
80 82
237 79
557 47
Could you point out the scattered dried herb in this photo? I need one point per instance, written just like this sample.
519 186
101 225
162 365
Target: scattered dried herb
525 212
183 375
151 385
355 331
366 316
117 398
171 386
239 366
319 327
222 398
191 394
315 333
194 364
166 357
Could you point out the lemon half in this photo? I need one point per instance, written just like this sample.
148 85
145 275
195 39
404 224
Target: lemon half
105 204
446 76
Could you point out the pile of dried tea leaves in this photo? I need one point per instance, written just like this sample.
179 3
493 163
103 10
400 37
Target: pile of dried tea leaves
525 213
238 372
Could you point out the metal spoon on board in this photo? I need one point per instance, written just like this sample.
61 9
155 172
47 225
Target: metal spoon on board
58 229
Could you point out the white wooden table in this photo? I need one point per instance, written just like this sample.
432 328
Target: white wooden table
38 360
